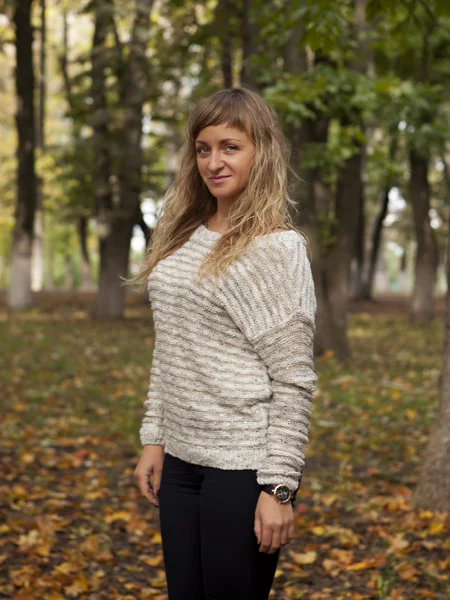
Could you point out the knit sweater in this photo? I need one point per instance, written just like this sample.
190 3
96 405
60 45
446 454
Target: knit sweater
232 379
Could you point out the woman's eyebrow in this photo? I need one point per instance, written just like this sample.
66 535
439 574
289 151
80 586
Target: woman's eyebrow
220 141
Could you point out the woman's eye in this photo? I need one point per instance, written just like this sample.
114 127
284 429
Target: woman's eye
229 147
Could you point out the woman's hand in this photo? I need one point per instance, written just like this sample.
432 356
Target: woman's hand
150 464
274 523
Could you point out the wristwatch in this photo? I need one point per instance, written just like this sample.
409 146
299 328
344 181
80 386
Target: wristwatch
281 492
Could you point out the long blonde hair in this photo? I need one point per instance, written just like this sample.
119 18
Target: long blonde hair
262 207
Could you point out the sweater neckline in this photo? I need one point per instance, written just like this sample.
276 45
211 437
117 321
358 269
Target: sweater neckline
208 234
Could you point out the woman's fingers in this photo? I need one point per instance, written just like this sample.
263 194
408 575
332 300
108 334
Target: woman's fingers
266 538
150 465
291 531
274 524
146 488
276 541
284 538
257 527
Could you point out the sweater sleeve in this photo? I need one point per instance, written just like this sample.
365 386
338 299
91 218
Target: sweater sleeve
270 296
152 430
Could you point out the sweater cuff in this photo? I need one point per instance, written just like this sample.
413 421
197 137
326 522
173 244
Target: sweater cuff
151 435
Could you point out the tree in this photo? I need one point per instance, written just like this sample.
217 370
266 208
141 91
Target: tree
433 490
117 216
37 263
20 295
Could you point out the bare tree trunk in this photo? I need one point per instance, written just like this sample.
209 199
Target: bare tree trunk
427 256
313 198
37 261
338 256
375 248
87 280
118 221
359 251
433 490
226 40
20 295
249 33
102 159
368 280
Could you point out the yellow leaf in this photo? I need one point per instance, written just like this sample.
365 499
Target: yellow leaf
343 556
80 585
159 581
65 568
426 514
306 558
278 572
318 530
410 413
374 561
359 566
27 458
156 538
43 548
398 543
436 527
152 561
330 566
348 538
120 515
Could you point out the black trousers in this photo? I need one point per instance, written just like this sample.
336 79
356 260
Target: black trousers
207 528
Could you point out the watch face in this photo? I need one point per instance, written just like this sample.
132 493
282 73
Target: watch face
283 493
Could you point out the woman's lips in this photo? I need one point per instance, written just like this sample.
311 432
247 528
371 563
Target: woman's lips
219 179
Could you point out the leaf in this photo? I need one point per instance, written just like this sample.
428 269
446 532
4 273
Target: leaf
120 515
306 558
407 571
397 544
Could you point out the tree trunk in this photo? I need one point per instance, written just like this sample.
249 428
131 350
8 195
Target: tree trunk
249 33
313 196
86 278
37 262
224 9
118 220
86 281
369 274
20 295
359 251
423 298
338 256
433 489
102 159
367 290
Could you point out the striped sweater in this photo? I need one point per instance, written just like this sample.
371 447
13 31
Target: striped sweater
232 377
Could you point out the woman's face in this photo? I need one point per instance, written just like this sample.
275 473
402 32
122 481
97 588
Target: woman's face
225 156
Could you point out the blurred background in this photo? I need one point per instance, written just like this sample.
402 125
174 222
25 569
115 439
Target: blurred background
94 99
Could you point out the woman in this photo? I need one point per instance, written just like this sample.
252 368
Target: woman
232 379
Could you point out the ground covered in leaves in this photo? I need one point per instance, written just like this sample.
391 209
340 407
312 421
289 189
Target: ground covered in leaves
74 525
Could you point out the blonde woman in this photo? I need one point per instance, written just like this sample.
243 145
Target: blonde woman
232 379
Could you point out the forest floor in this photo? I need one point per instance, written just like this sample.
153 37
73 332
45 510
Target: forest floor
73 523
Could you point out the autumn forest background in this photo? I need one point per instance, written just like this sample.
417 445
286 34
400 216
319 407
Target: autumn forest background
94 98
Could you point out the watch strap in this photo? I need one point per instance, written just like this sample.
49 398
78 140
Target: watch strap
270 487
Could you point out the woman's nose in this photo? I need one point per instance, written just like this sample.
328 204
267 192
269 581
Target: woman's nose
215 160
